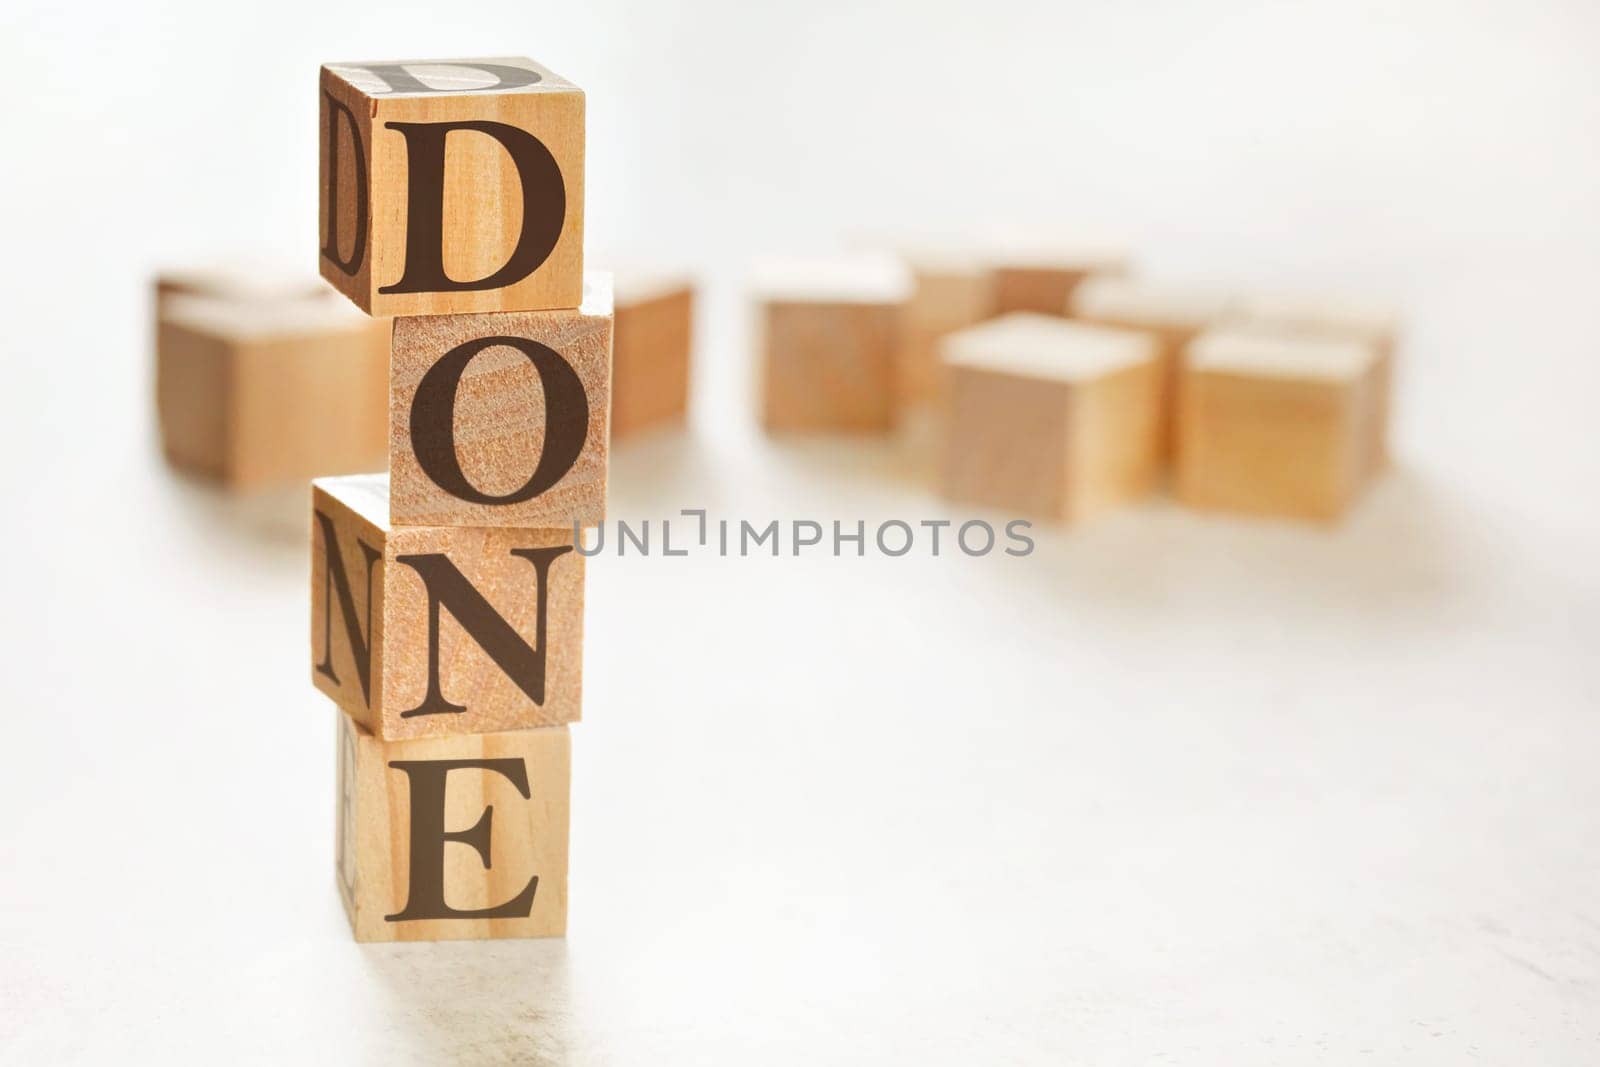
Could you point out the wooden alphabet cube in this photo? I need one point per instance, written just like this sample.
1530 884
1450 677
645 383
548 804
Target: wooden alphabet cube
1276 425
1049 417
445 838
451 186
502 419
1043 278
830 338
650 362
1172 314
949 291
429 630
1349 318
257 393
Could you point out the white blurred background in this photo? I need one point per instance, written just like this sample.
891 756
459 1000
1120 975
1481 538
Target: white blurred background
1176 788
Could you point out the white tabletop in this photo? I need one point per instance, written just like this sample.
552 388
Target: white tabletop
1175 788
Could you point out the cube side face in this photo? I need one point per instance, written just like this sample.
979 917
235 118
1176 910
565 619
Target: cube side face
500 420
942 303
344 183
829 366
1006 442
949 300
347 607
1264 446
1171 341
650 369
507 650
1114 442
475 197
1379 398
1046 290
408 872
193 375
311 405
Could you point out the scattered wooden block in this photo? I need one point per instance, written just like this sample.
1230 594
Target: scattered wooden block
1043 279
451 186
830 333
1276 425
1336 317
1172 314
429 630
446 838
949 291
270 392
502 419
1049 417
650 364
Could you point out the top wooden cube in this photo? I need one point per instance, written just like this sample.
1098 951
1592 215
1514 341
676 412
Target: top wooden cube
451 186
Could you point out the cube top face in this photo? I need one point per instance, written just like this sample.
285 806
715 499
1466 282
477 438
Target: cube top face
267 319
502 419
403 78
433 631
1272 354
859 279
240 282
451 187
924 262
1321 315
635 285
1134 302
421 857
1030 345
1064 254
1041 261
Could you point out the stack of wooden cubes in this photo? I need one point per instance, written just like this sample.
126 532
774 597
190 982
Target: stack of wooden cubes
447 597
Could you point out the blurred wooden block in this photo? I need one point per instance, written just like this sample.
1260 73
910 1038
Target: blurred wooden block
1276 425
650 365
451 186
1348 318
502 419
1049 417
1043 279
427 630
830 335
447 838
261 393
1172 314
949 291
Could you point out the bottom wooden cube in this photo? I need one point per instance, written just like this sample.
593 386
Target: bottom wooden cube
1049 417
456 837
1278 425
